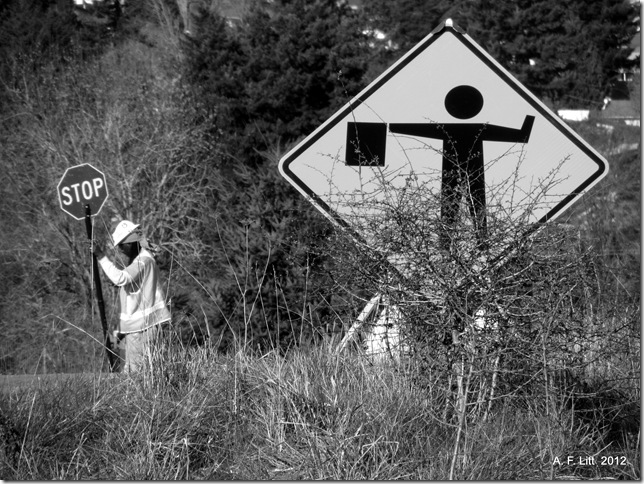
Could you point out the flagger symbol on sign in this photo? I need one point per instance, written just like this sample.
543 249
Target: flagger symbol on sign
463 159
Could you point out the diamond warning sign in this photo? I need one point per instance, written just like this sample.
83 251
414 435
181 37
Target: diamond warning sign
449 121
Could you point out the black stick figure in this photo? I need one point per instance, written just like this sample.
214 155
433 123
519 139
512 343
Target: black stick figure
463 156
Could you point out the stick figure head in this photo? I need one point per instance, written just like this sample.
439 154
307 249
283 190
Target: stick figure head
464 102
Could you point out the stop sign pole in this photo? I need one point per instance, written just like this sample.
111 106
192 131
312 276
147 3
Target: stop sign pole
80 188
111 356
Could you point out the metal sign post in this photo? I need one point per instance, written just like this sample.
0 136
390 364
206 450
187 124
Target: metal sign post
112 357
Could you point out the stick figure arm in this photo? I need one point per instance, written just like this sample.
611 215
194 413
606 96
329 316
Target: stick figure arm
493 132
526 129
423 130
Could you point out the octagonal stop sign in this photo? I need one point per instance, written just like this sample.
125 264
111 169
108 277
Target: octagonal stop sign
82 185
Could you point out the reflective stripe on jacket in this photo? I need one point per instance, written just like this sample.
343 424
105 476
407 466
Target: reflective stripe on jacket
142 300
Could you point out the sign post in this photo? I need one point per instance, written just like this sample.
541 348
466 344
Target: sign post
81 189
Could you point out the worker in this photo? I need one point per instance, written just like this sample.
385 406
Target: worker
142 302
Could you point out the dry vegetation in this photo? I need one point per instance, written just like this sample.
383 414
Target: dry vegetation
310 415
556 383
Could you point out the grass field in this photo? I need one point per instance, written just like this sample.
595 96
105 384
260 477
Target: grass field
313 414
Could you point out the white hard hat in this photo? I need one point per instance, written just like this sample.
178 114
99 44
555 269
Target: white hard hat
122 231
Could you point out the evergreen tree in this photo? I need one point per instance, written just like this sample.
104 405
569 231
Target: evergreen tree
278 75
570 54
567 54
262 85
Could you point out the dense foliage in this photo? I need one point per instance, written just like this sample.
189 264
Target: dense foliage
567 53
278 75
261 86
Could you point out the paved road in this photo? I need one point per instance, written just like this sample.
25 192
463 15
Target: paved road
10 383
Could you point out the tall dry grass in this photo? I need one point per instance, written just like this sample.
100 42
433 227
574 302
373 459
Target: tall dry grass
311 414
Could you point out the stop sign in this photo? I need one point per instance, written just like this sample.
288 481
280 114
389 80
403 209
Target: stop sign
82 185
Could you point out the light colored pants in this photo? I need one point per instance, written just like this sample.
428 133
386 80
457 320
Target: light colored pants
138 348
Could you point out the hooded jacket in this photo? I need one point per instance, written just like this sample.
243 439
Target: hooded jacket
141 297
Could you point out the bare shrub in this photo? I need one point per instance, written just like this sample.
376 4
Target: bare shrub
520 319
